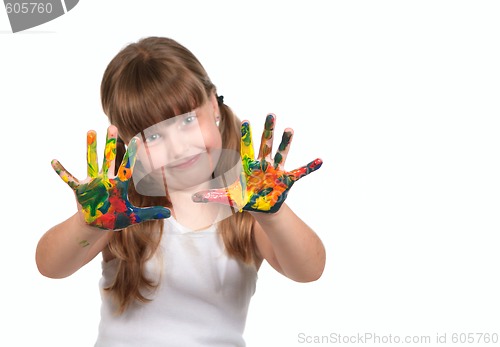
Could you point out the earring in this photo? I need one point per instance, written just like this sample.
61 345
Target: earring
217 121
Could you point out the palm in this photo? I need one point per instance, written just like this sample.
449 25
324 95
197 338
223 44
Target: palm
104 199
264 184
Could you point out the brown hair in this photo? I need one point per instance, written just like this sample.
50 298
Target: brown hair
147 82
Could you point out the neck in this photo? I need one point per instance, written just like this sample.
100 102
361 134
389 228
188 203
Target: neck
195 216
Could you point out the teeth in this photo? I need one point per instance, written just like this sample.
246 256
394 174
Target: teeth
25 14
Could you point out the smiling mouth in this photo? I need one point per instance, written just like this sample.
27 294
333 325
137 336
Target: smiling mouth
184 164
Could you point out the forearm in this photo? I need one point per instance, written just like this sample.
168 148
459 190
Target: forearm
297 249
68 246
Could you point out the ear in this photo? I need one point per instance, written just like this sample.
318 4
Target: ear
214 103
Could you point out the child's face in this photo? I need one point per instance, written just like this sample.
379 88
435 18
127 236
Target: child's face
181 152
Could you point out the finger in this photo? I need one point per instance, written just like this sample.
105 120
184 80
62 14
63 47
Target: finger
246 150
110 151
266 141
65 175
230 196
220 196
92 166
305 170
282 152
127 165
149 213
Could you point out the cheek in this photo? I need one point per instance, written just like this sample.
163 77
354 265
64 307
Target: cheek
211 136
152 159
213 143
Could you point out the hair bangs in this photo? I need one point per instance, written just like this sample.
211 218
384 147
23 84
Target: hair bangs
149 92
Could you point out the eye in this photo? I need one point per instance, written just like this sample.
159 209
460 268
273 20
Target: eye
189 118
152 138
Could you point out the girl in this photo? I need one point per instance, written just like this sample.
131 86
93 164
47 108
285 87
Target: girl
180 273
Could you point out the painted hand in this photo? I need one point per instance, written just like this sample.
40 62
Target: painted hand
103 196
264 184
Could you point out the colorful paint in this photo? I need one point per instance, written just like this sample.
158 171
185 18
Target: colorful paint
104 199
267 137
284 145
262 187
92 166
84 243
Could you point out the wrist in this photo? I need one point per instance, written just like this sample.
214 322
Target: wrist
83 228
270 219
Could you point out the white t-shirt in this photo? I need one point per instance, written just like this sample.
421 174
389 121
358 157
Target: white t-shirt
202 299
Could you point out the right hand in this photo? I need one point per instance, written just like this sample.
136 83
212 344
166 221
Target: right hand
103 196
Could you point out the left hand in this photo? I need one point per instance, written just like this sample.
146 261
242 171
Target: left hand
264 184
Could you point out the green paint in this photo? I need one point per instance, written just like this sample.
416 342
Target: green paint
92 166
84 243
285 140
93 195
245 134
111 141
104 200
278 158
268 127
109 154
264 165
266 150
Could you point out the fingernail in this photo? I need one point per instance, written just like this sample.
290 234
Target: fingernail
198 197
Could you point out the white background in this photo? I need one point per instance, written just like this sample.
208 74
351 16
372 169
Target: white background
399 98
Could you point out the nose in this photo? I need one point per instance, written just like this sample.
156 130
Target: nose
177 145
161 146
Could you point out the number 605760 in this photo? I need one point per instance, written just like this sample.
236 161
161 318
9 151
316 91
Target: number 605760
28 7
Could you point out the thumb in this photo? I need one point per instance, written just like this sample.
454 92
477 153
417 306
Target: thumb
305 170
149 213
